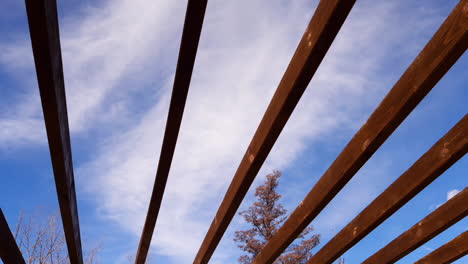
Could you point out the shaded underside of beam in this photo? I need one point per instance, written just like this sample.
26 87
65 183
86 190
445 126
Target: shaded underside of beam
448 253
45 39
442 218
188 49
9 251
442 51
317 39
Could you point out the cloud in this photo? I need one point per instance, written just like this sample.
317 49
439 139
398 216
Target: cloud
119 60
426 248
20 133
101 50
452 193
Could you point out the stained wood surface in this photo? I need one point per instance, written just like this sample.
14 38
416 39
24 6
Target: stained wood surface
431 165
45 39
448 253
442 218
9 251
442 51
188 49
317 39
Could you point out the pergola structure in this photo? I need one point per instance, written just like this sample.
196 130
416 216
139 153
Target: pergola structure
446 46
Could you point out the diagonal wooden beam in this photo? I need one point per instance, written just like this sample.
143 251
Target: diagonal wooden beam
9 251
442 218
442 51
318 37
429 167
188 49
448 253
45 39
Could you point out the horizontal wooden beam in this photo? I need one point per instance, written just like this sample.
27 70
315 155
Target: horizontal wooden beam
431 165
45 39
9 251
188 50
442 51
442 218
448 253
318 37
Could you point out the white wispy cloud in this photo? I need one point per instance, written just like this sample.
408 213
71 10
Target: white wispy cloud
22 132
119 59
101 51
452 193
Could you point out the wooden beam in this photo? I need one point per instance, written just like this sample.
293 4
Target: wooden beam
431 165
448 253
442 218
318 37
188 49
442 51
45 39
9 251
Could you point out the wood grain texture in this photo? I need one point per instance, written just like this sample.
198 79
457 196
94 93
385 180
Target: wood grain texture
317 39
442 218
188 49
9 251
448 253
45 39
431 165
442 51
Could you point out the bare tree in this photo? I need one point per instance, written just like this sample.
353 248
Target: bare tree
41 240
131 259
266 216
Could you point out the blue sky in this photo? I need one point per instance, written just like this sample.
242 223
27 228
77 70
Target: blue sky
119 59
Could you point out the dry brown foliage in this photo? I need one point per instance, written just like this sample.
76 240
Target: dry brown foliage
266 216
